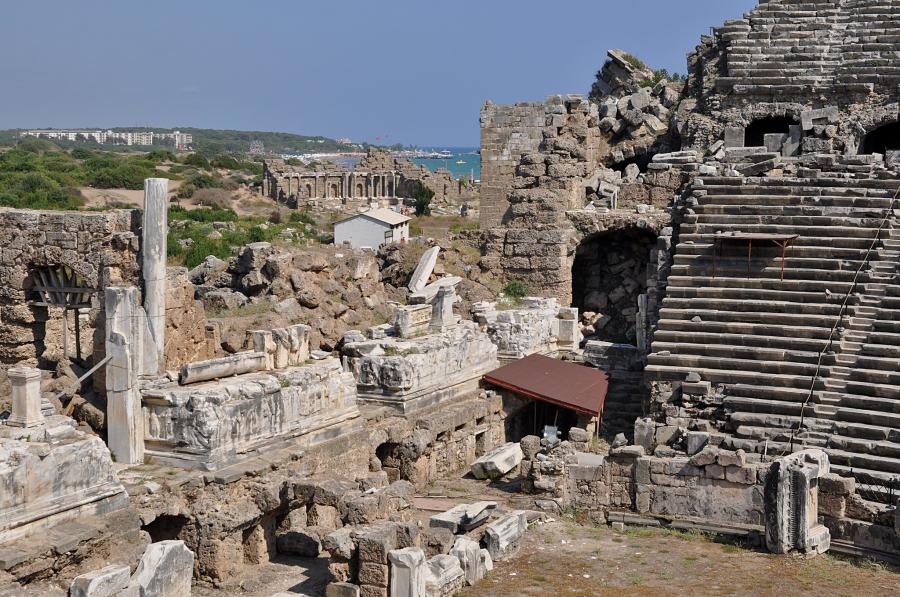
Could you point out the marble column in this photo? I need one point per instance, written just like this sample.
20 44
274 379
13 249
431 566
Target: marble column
153 250
124 419
26 397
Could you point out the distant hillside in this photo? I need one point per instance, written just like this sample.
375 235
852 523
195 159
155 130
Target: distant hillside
212 142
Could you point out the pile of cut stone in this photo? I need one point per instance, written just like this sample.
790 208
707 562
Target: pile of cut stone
458 547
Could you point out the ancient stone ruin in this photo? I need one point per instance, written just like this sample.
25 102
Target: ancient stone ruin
379 179
721 249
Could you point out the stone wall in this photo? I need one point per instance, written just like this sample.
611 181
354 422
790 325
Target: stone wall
189 337
101 249
507 132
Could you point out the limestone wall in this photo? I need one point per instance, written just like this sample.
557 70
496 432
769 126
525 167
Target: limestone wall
100 248
213 423
507 131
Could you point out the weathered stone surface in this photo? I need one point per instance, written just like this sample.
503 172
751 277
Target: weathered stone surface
342 589
106 582
463 517
424 269
468 553
503 537
408 570
498 461
443 576
165 570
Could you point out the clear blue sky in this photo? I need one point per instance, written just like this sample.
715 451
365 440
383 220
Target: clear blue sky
402 71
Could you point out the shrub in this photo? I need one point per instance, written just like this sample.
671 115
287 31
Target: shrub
275 217
302 217
196 160
515 289
161 155
225 161
205 181
209 214
186 191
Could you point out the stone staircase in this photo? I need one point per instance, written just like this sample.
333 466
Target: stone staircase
801 46
757 338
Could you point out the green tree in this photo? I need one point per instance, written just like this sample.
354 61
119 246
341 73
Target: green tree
423 196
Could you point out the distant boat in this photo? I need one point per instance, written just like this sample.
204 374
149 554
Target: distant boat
460 161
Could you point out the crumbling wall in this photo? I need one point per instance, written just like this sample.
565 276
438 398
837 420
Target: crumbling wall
189 337
100 248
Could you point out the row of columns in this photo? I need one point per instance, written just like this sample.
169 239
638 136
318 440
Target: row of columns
376 185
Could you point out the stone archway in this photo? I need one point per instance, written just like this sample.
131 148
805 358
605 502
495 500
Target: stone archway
882 139
333 190
309 191
609 272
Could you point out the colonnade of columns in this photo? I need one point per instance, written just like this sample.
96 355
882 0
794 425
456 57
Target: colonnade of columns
346 185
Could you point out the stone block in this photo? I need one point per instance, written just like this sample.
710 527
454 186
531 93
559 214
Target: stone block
106 582
424 269
734 136
374 544
373 573
741 474
166 568
443 576
645 434
341 589
339 543
468 554
727 458
463 517
775 141
326 517
503 536
498 461
437 541
696 441
407 572
706 456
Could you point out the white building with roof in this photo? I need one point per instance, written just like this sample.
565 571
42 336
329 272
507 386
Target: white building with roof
372 228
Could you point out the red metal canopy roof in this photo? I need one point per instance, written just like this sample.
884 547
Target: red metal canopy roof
569 385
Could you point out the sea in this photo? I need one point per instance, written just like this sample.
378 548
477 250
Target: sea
469 168
469 165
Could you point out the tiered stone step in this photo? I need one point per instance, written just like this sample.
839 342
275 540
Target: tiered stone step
760 339
789 47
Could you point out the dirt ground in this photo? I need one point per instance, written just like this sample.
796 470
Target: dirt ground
562 558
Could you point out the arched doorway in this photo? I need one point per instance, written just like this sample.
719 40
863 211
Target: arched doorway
608 275
334 191
755 134
309 191
359 191
881 140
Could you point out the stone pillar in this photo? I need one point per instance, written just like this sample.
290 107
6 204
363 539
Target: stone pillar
26 397
345 183
394 193
407 572
156 208
124 420
384 186
442 309
791 500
